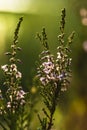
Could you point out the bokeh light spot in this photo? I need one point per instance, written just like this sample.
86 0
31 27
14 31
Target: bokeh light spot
85 45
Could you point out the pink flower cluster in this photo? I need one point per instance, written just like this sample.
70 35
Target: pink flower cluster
9 69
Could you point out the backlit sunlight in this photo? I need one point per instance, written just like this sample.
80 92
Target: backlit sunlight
14 5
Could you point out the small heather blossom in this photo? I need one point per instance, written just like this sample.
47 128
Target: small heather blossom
48 67
4 68
13 67
44 80
18 75
8 104
61 76
20 95
58 55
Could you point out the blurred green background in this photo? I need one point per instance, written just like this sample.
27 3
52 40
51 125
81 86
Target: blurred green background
72 110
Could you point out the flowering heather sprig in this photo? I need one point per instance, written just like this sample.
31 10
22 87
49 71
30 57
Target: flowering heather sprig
14 95
54 74
50 70
14 48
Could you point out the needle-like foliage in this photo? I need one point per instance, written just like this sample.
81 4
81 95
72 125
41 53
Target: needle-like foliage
54 74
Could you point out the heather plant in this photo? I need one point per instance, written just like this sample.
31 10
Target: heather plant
54 76
54 73
12 98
